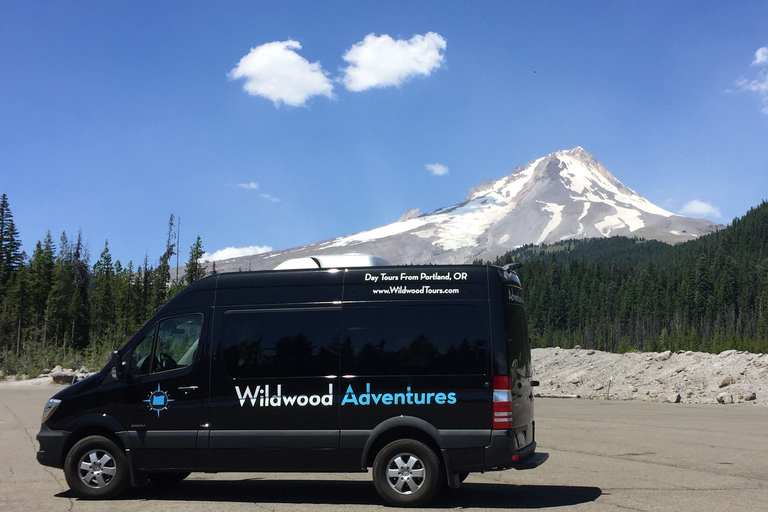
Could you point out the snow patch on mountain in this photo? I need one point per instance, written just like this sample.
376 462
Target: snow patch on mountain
509 187
624 218
395 228
557 217
585 177
683 233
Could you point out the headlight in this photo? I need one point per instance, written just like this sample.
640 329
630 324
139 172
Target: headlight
50 407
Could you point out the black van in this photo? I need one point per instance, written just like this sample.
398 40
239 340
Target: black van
422 373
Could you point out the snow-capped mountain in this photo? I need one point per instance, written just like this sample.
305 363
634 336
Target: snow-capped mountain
563 195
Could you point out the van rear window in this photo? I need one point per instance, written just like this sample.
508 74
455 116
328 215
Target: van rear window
518 343
411 339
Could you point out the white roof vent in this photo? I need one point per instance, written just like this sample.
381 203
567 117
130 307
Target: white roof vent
333 261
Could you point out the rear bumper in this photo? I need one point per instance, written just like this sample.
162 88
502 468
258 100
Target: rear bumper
51 452
533 461
501 454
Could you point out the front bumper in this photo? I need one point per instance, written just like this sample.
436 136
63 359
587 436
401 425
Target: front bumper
51 452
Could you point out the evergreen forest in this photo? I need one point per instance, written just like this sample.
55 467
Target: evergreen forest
620 294
615 294
57 308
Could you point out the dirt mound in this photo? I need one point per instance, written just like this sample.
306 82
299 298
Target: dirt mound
687 377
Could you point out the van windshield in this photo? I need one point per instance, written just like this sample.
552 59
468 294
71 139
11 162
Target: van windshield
518 343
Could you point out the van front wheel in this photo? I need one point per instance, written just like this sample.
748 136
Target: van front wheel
407 473
96 468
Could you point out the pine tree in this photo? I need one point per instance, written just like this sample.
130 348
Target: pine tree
41 269
126 300
79 303
10 245
161 281
17 303
102 299
195 269
57 304
144 286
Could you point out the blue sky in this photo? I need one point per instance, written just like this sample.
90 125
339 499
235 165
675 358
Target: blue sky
278 124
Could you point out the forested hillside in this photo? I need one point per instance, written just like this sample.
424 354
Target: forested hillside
615 294
55 308
620 294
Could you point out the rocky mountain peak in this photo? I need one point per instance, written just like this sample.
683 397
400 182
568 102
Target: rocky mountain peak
564 195
409 214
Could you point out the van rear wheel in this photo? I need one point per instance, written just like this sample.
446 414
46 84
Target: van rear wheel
407 473
96 468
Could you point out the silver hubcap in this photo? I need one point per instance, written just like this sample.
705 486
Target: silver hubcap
97 468
405 473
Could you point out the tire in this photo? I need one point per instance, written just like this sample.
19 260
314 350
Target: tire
166 479
96 468
407 473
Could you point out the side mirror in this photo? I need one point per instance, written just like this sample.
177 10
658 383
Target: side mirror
117 366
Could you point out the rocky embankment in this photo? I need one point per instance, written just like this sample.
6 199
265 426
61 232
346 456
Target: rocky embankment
681 377
58 375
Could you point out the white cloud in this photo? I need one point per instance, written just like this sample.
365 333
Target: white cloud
761 56
698 208
270 198
276 72
380 61
254 186
437 169
758 85
235 252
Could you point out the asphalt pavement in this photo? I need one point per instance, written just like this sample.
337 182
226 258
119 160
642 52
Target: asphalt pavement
604 456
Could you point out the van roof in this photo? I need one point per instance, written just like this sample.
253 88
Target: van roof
324 285
333 261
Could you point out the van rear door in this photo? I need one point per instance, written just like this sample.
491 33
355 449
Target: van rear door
519 369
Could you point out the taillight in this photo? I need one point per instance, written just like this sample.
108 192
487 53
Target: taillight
502 403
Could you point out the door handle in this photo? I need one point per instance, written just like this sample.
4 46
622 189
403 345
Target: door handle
187 388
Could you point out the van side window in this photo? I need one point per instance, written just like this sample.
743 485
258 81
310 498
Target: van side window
414 339
141 358
290 343
170 344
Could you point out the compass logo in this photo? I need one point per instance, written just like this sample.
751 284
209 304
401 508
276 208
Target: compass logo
158 400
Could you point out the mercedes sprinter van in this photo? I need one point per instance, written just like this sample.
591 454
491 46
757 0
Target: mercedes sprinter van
422 373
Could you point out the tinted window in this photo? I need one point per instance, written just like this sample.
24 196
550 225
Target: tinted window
141 357
281 343
170 344
518 343
414 339
177 341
